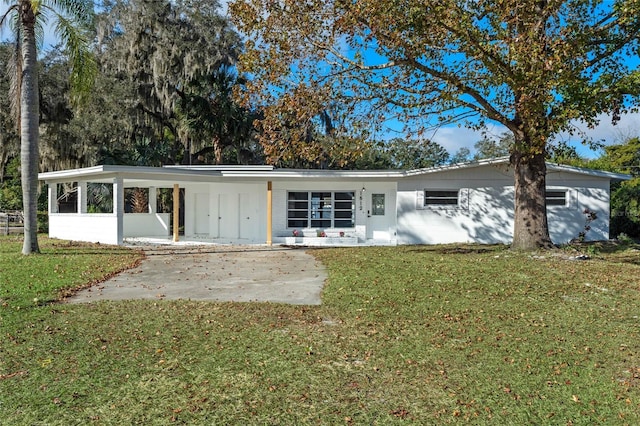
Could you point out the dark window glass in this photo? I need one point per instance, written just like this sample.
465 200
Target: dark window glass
435 198
320 209
556 198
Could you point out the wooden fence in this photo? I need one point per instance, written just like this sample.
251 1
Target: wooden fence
11 222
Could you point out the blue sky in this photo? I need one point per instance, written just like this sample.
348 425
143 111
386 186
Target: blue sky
453 137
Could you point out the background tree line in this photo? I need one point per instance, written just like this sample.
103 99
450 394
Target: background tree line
164 94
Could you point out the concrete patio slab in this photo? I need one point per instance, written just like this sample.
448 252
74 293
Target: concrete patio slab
217 273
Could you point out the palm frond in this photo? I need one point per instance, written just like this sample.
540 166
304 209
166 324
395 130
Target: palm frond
83 65
14 70
8 13
80 10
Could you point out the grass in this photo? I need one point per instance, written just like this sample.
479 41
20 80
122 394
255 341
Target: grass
405 335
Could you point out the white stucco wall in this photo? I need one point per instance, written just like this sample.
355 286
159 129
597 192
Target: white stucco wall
234 209
146 224
487 217
230 212
385 229
565 223
90 227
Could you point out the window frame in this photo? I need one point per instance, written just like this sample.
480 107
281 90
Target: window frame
554 200
444 195
324 209
462 199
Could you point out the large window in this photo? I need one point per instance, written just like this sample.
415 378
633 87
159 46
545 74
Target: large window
323 209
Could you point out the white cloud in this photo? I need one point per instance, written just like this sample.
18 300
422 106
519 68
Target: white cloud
605 132
454 137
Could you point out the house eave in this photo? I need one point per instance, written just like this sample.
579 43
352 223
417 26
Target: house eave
212 173
458 166
106 172
616 177
244 173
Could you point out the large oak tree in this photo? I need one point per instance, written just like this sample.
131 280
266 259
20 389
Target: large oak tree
533 66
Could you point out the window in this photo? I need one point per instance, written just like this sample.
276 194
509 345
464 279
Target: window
440 198
556 198
67 197
377 204
322 209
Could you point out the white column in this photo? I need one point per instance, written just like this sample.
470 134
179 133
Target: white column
82 197
153 199
53 198
269 213
176 212
118 206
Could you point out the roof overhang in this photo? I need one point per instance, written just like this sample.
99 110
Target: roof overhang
615 177
504 161
166 176
107 173
169 175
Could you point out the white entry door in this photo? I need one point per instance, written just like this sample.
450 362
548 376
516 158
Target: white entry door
378 217
228 216
249 205
202 213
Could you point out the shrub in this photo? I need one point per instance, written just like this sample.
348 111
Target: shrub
625 209
43 222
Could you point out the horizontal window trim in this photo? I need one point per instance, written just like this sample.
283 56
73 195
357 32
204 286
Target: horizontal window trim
453 199
557 197
441 198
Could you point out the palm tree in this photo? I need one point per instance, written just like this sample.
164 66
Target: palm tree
27 18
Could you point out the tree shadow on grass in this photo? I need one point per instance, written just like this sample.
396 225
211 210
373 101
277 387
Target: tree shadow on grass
612 251
459 248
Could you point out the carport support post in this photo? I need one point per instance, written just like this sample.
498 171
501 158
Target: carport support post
176 212
53 198
152 200
82 197
269 213
118 207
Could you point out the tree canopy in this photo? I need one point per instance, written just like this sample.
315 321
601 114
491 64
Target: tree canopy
531 65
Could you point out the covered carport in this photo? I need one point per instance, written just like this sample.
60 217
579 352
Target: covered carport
212 209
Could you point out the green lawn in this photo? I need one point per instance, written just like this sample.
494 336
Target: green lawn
423 335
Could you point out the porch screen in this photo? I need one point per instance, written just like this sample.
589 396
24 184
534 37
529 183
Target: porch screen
323 209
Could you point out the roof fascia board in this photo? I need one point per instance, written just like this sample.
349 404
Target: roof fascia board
185 174
588 172
127 172
505 160
458 166
317 174
222 167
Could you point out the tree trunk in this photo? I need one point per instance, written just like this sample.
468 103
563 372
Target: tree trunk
531 230
217 150
29 128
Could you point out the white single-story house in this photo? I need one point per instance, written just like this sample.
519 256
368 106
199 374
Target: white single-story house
468 202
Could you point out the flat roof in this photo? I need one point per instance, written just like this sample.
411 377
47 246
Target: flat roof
206 173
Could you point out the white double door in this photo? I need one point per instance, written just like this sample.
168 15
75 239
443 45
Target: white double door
238 216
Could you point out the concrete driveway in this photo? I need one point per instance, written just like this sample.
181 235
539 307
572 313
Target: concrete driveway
216 272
